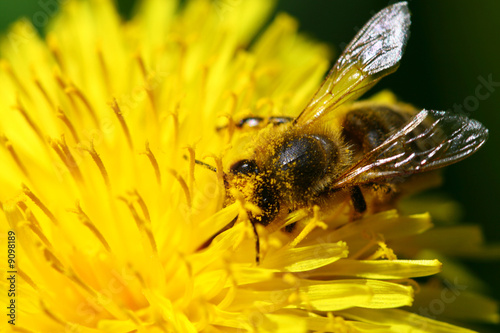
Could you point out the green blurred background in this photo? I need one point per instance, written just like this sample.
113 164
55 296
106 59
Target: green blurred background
452 44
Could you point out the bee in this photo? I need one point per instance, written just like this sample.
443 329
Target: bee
298 163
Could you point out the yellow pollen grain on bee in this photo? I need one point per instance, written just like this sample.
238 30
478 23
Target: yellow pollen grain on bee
245 208
254 209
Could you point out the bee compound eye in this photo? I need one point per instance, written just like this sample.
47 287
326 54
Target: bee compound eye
245 167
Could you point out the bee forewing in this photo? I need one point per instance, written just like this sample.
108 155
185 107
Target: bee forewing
374 53
430 140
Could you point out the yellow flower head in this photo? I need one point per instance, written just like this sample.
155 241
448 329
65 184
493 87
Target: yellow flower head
110 223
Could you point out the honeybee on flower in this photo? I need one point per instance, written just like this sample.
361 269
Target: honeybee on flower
305 162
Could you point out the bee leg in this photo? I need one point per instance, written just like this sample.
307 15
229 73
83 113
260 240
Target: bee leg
256 123
358 200
257 244
248 122
268 202
209 241
289 228
230 225
276 121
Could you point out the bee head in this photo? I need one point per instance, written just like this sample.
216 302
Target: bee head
244 176
258 189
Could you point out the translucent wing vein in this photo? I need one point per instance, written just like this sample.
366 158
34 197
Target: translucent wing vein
430 140
374 53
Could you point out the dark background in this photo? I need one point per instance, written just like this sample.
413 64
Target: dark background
452 44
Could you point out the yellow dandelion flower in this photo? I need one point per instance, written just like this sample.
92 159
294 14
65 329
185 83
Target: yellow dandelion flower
108 224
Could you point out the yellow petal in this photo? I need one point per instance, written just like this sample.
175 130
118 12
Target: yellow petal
305 258
378 269
401 321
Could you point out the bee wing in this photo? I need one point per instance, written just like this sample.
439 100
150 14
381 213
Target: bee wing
374 53
445 138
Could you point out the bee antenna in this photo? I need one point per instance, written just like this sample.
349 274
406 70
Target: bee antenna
208 166
203 164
